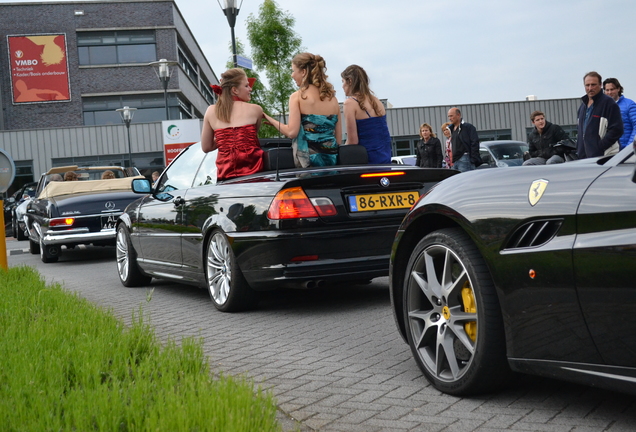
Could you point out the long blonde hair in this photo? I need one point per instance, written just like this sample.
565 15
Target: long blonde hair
358 81
316 67
230 78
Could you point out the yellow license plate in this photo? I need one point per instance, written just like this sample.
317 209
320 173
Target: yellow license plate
383 201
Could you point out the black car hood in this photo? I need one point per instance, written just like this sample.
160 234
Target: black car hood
480 194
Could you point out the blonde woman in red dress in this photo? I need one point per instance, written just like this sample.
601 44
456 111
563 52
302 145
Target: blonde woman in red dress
231 126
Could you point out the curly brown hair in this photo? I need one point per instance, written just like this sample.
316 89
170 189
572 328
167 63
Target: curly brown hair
316 67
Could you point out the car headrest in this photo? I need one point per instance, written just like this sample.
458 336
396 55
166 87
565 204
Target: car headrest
281 156
352 154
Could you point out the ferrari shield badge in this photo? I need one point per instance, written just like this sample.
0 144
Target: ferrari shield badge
536 191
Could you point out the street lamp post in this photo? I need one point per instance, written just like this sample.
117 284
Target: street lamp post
163 71
231 11
127 116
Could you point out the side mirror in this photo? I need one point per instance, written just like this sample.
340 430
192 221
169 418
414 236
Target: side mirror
141 186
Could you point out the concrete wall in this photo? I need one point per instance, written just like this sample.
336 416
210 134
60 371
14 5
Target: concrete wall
42 145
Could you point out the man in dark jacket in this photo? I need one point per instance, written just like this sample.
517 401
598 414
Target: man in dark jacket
540 141
599 124
464 142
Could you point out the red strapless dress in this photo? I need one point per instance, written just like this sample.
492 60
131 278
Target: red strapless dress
239 152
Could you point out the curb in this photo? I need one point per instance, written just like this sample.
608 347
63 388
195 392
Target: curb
17 251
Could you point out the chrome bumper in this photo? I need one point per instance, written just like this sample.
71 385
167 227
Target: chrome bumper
79 235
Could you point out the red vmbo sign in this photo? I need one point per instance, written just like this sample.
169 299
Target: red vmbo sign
39 68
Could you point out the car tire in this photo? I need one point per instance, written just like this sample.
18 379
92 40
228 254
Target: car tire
128 270
453 319
34 247
49 253
228 288
18 234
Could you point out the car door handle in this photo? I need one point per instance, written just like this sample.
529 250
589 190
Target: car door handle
178 201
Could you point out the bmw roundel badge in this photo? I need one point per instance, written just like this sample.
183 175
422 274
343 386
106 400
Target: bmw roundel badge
384 182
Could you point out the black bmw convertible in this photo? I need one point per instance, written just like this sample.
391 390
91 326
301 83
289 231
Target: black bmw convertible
283 227
528 270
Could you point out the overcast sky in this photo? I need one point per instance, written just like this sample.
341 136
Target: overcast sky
426 53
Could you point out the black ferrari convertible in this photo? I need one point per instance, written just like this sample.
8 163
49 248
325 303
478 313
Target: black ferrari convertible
283 227
528 270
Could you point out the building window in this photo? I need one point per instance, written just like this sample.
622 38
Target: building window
116 47
150 108
571 130
494 135
192 70
404 146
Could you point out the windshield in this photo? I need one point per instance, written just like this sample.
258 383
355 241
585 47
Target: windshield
508 151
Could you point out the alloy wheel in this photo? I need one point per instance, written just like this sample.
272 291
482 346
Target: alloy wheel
442 313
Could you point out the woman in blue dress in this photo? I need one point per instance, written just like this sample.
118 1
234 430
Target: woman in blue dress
314 114
365 116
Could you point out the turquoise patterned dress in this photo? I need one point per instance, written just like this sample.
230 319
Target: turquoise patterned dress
316 144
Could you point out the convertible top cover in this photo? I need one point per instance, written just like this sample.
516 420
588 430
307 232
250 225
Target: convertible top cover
73 187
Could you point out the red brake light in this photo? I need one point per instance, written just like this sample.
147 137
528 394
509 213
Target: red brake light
291 203
383 174
62 222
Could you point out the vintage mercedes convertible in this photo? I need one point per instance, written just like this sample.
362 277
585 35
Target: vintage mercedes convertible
528 270
78 212
283 227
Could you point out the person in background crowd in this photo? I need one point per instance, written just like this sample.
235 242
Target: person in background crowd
428 149
464 142
155 177
599 120
614 89
231 126
365 116
314 114
70 176
540 141
447 151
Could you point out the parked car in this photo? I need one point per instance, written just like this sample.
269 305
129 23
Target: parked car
529 270
289 227
502 154
24 194
404 160
72 213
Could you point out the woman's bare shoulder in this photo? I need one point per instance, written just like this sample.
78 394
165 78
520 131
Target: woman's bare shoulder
255 107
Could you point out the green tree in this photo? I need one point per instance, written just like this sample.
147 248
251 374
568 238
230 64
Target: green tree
274 43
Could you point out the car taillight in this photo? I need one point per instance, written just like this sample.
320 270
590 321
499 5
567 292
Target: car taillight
57 222
324 206
291 203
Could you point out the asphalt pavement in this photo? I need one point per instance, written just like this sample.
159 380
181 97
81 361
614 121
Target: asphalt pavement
332 357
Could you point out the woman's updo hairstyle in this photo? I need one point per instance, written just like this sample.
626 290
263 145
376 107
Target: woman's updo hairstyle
230 78
316 67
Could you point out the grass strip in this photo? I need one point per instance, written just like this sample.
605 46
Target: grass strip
68 365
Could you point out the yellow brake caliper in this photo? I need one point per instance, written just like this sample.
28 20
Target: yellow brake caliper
468 298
